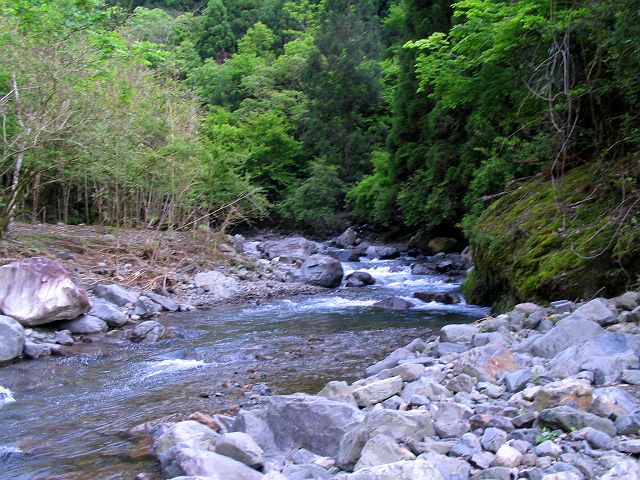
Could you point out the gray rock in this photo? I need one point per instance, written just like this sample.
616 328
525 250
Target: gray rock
292 248
347 238
283 421
467 447
631 376
496 421
598 311
37 290
534 319
489 362
495 473
614 401
115 294
448 467
562 476
445 348
165 302
607 355
108 312
36 350
377 391
382 252
217 284
491 390
149 332
507 456
482 460
458 333
462 383
186 434
390 361
628 301
562 306
424 391
11 339
241 447
548 449
84 324
516 381
572 392
304 472
597 439
390 471
572 330
394 303
382 449
628 423
624 470
569 418
340 392
179 461
413 424
359 279
631 446
485 338
321 271
634 316
493 438
145 307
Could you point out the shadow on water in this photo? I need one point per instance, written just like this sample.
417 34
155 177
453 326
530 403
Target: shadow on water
70 414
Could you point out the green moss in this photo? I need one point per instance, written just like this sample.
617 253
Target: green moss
543 241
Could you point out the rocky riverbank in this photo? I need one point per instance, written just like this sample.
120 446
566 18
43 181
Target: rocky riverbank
48 309
550 393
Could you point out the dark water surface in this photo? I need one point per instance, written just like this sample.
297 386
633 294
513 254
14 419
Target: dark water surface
70 414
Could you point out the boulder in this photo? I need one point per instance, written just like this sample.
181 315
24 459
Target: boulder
507 456
424 391
624 470
390 361
607 355
420 240
569 419
108 312
37 290
321 271
597 439
11 339
399 425
347 238
628 301
149 332
283 421
382 449
340 392
84 324
359 279
292 248
186 434
446 298
493 438
165 302
571 392
377 391
571 330
488 362
217 284
145 307
381 252
458 333
115 294
241 447
394 303
422 268
179 461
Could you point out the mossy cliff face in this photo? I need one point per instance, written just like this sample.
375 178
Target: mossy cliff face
577 237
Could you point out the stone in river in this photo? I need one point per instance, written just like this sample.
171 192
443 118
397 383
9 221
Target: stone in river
37 290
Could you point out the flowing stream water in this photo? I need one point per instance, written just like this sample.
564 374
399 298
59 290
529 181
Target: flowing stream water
66 417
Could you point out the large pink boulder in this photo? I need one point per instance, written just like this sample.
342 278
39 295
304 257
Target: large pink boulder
38 290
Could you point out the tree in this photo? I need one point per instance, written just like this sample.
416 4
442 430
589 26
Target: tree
216 38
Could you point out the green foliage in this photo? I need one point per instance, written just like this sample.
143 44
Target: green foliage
372 198
216 37
544 435
315 202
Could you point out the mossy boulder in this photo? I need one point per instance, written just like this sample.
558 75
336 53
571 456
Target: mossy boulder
576 237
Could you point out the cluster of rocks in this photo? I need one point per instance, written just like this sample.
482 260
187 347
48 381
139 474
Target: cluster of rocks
43 312
539 393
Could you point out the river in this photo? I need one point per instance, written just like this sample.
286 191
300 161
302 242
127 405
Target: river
66 417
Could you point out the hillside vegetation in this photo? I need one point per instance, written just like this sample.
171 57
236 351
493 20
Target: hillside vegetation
474 118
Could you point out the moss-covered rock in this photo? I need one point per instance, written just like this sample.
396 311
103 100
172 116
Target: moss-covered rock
573 238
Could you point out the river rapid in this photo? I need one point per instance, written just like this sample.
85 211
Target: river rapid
67 417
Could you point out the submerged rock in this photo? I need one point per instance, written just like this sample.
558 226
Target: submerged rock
37 290
394 303
149 332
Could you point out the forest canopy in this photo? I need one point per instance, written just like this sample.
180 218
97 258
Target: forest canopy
398 113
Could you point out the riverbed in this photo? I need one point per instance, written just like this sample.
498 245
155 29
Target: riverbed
67 417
